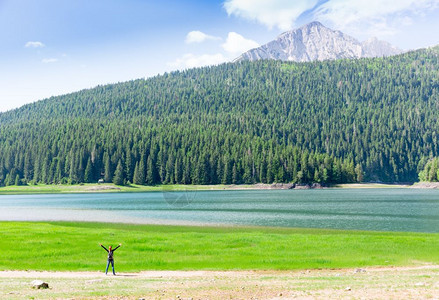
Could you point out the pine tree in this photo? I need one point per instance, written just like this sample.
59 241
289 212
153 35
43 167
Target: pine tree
177 171
45 171
8 180
27 170
58 173
107 168
234 174
325 175
139 173
317 177
150 172
186 171
128 164
118 178
136 179
88 175
359 173
227 173
142 170
81 169
247 176
262 173
269 173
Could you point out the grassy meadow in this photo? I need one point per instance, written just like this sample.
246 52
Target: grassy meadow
69 246
110 188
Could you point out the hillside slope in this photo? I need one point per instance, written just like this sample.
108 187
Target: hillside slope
243 122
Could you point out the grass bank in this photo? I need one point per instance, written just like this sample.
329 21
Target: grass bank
69 246
105 188
111 188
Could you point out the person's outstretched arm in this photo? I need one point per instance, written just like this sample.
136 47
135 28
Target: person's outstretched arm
104 248
117 247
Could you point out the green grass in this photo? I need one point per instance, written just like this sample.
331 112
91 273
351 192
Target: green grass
111 188
75 247
108 188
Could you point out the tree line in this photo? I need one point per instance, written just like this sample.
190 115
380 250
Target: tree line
160 156
430 172
371 119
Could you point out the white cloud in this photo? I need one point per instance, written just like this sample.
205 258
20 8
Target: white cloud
359 17
190 60
49 60
199 37
34 45
237 44
272 13
377 17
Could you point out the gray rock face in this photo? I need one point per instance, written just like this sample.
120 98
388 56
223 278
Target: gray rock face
373 47
317 42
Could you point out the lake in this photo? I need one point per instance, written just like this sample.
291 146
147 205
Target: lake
364 209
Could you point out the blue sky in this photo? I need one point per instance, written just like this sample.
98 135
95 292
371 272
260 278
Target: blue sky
52 47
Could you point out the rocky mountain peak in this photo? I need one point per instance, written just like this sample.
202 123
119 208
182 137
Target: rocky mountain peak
314 41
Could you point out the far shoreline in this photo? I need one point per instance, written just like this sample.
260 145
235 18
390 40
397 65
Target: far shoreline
111 188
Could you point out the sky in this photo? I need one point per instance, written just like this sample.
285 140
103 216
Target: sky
53 47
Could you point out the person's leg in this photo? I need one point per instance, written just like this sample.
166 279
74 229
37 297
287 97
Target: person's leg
108 264
112 265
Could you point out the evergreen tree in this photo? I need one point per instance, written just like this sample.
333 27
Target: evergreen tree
107 169
177 171
58 172
150 173
139 173
234 174
118 178
128 164
88 175
359 173
317 177
227 173
8 180
325 175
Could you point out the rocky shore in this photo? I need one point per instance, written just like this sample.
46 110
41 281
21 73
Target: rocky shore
280 186
425 185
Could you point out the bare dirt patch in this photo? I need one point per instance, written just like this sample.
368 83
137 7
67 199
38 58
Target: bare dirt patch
425 185
101 188
420 282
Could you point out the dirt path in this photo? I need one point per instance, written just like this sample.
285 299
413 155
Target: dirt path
419 282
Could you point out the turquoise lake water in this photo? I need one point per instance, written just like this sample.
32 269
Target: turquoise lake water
363 209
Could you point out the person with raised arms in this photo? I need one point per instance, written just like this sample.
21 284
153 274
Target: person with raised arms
110 251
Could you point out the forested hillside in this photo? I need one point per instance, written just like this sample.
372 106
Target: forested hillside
246 122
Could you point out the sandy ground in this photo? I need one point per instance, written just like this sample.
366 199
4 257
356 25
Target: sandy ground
425 185
420 282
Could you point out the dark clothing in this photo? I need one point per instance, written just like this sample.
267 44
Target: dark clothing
110 252
112 266
110 258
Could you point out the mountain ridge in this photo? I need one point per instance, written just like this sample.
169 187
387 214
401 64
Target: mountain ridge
314 41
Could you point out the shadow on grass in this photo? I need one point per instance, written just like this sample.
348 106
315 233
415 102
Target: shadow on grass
126 275
130 186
